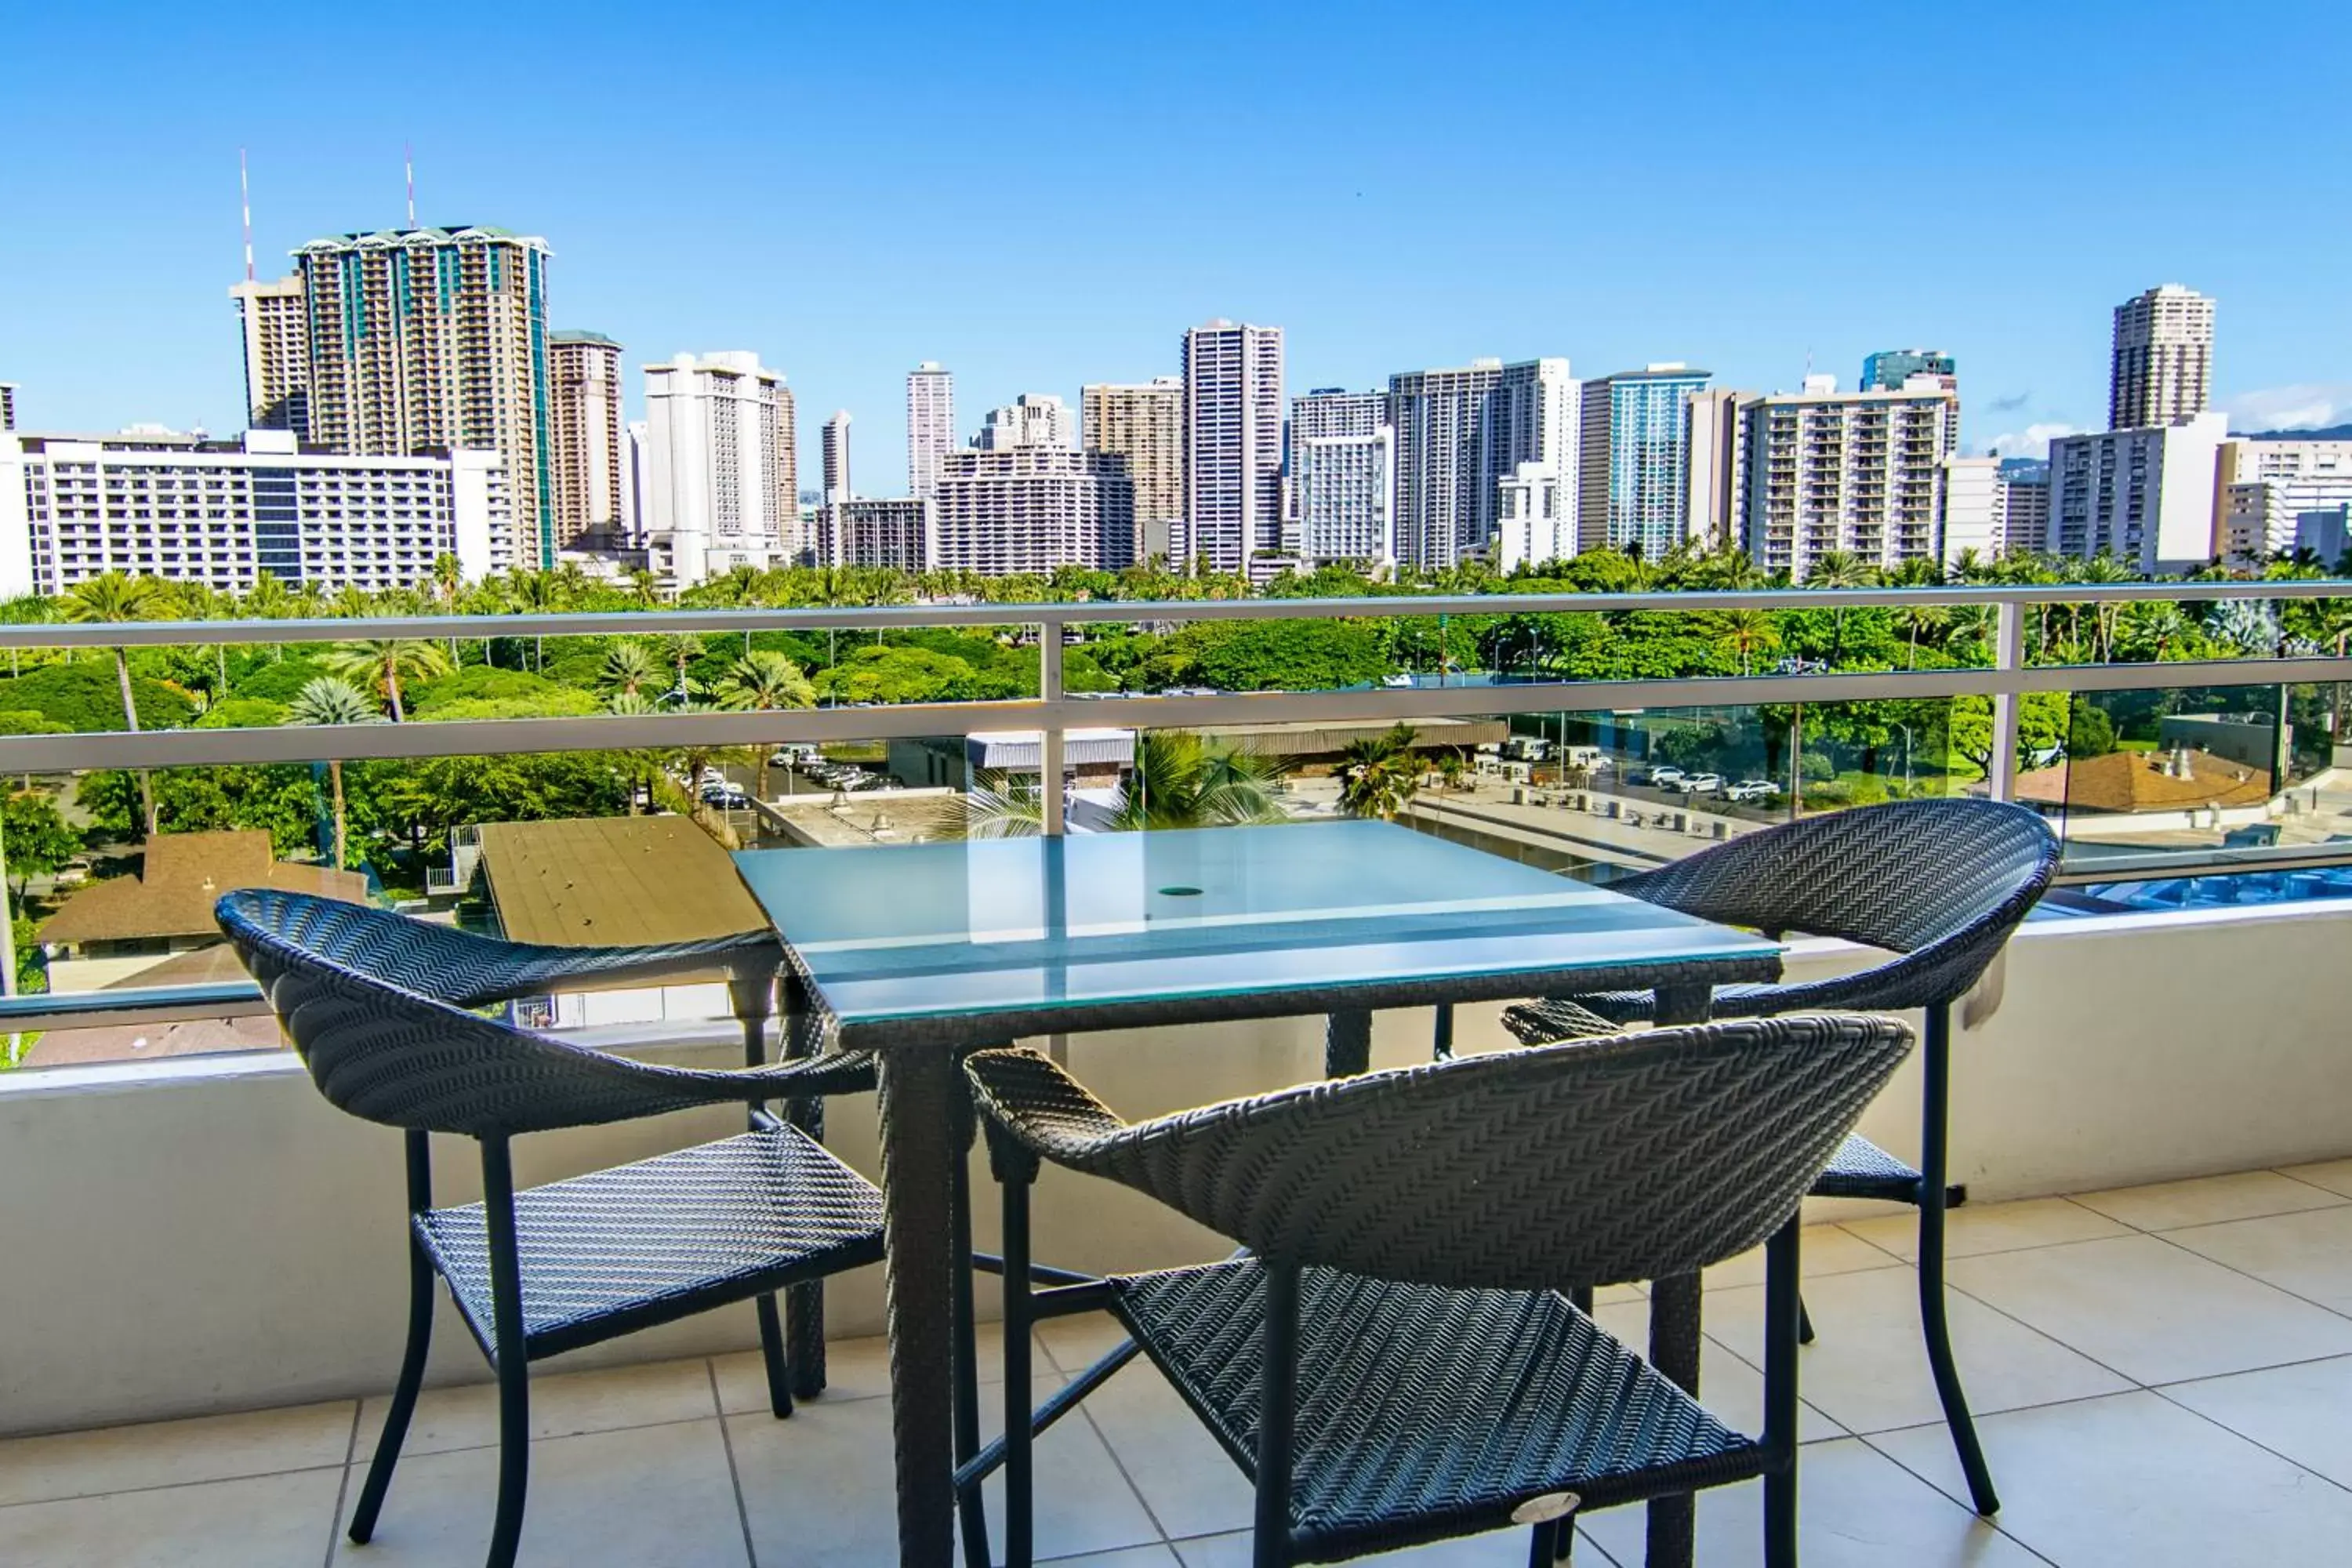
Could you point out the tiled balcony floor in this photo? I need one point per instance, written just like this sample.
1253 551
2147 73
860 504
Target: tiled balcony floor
2163 1374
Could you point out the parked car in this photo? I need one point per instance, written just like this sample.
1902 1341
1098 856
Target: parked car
1701 784
1752 790
1661 778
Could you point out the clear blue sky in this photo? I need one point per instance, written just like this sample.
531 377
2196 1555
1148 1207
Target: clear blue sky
1041 194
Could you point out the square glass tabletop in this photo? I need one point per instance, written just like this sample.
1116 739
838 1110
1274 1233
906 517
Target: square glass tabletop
987 927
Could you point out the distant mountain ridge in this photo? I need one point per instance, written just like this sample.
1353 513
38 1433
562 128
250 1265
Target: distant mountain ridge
2325 433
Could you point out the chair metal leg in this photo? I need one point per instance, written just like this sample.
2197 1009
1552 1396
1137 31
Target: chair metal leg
1277 1416
1804 1323
1548 1546
412 1359
514 1359
1443 1047
1782 1308
804 1304
773 1356
1020 1478
1935 1137
971 1505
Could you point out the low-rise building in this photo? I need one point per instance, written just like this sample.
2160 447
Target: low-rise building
157 503
2264 488
1534 518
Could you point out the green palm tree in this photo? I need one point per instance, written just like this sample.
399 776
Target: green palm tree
1379 773
630 666
1915 619
680 648
1749 632
381 663
326 700
763 680
1839 569
112 598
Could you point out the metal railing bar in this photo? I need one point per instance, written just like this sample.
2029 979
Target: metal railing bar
143 1005
2208 862
650 623
490 736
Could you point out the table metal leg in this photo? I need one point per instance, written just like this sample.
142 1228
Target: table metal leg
804 1304
1346 1043
919 1092
1674 1325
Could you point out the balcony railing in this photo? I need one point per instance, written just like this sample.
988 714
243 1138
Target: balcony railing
2007 680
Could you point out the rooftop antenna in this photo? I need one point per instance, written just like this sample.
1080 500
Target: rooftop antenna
245 195
408 157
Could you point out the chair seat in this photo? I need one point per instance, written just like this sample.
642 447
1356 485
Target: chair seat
1426 1412
620 1249
1861 1169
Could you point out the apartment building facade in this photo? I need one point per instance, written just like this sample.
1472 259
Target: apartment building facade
1032 419
1856 473
1633 460
434 338
156 504
1460 433
1233 450
718 473
1031 509
899 532
274 323
588 452
1144 425
2264 487
2021 506
2161 366
930 424
1535 519
2144 496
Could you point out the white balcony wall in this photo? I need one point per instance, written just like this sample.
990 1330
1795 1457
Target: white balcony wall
199 1235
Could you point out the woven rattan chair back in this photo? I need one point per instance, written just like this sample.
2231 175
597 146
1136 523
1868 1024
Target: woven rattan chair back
387 1054
1638 1157
1944 880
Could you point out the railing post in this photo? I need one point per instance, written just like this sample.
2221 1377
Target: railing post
1049 752
2007 657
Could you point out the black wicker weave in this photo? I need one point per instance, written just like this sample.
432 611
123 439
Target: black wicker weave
1394 1364
552 1268
1940 883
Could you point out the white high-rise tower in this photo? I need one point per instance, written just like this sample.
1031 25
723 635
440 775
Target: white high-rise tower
931 425
1233 448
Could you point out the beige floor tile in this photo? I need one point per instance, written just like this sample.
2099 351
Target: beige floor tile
2208 1200
1867 1366
2302 1412
1825 1249
1131 1557
563 1404
2308 1253
2335 1175
1855 1509
260 1521
1498 1549
168 1452
2150 1310
1190 1486
1076 1341
1732 1388
1976 1228
2133 1481
854 1369
817 1488
644 1496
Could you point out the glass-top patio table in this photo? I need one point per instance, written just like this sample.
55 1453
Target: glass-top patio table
920 951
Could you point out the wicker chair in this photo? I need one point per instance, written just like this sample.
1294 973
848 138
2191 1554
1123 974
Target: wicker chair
550 1269
1942 883
1392 1361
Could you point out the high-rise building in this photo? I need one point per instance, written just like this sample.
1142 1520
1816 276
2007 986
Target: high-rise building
154 503
897 533
276 328
718 485
2144 496
1715 506
2265 486
584 374
1007 509
1339 473
2022 506
1972 510
1860 473
435 338
1333 411
1460 433
1534 525
1232 449
1633 460
2162 369
930 424
1889 369
1145 426
1032 419
836 458
7 406
635 436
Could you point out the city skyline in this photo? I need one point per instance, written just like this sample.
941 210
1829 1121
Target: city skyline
141 228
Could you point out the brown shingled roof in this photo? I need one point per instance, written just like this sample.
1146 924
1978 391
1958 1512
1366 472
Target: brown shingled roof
185 874
2124 782
622 880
